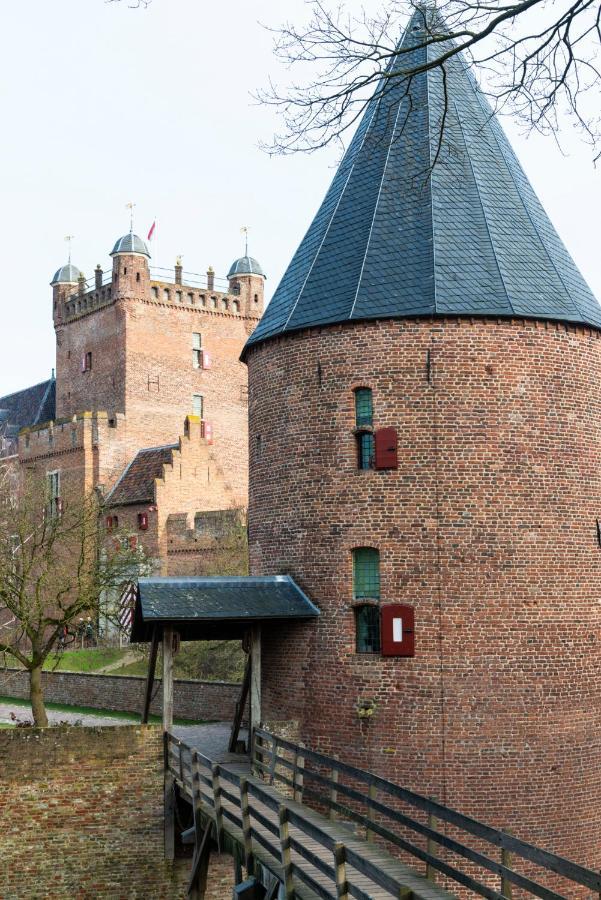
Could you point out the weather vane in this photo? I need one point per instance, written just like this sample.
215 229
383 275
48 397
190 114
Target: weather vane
131 206
244 230
69 238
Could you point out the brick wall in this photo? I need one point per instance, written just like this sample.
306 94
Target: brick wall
487 528
198 700
82 816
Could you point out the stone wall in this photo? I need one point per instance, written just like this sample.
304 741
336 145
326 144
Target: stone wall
82 815
197 700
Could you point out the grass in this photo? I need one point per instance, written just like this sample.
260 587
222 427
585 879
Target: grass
86 660
139 667
92 711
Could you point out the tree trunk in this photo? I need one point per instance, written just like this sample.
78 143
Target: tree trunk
37 697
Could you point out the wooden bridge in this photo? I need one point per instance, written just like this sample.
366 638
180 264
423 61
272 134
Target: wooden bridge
310 826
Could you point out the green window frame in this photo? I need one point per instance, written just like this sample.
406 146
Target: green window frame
364 407
366 573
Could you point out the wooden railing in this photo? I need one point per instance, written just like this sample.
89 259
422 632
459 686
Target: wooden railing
397 816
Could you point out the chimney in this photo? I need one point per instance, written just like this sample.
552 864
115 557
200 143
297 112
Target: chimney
211 279
98 277
178 270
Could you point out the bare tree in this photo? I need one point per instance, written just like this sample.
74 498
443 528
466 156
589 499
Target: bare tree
54 568
535 59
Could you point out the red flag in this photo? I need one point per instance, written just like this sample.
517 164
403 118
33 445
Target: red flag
151 232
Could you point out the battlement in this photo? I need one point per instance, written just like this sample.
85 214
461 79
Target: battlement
172 287
83 430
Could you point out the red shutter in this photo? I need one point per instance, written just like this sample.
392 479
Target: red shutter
143 521
206 359
207 432
398 630
133 542
83 363
386 448
109 523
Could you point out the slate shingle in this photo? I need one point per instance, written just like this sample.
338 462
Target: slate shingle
136 484
396 236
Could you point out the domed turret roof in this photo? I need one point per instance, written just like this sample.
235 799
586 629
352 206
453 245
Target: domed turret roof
67 274
130 243
246 265
419 223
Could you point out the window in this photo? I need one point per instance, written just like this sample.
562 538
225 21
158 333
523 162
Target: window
236 306
197 350
179 296
364 415
366 587
137 276
214 302
191 299
166 294
86 362
54 494
197 405
155 293
364 410
224 304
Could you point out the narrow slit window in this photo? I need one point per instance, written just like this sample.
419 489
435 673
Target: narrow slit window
197 350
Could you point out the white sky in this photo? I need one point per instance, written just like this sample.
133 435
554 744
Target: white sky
101 104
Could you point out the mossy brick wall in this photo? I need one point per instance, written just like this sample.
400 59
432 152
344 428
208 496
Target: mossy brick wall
197 700
82 815
488 528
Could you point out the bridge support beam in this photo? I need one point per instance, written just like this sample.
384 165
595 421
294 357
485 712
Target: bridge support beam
167 678
255 678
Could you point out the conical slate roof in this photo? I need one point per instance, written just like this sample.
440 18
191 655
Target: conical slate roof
411 228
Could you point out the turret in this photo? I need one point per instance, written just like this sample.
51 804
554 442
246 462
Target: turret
64 283
247 280
131 275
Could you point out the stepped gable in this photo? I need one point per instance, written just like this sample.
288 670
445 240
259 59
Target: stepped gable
136 484
411 228
31 406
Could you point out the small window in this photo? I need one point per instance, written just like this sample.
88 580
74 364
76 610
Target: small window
179 296
125 270
197 350
366 586
155 293
256 298
203 300
191 299
364 409
224 304
166 294
53 486
236 306
197 405
87 362
366 573
364 417
213 302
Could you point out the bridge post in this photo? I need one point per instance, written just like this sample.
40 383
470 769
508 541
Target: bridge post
169 804
167 678
255 677
431 848
340 871
506 884
286 855
245 810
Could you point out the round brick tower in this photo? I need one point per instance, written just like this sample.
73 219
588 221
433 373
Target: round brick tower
443 314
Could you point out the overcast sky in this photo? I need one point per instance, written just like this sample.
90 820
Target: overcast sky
102 104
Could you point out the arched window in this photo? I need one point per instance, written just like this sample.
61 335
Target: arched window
214 302
364 420
366 594
235 306
224 303
166 294
155 293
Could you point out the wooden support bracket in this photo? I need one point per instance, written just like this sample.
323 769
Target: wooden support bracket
342 891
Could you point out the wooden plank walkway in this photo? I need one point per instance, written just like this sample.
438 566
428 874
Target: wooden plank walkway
319 848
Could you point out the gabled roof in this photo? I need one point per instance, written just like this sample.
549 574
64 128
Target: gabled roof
409 228
136 484
31 406
218 606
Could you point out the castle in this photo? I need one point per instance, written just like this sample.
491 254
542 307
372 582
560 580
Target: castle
149 402
425 438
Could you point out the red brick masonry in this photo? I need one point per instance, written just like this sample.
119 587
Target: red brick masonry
488 528
198 700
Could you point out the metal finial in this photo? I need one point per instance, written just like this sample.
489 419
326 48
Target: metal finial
131 206
69 238
244 230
